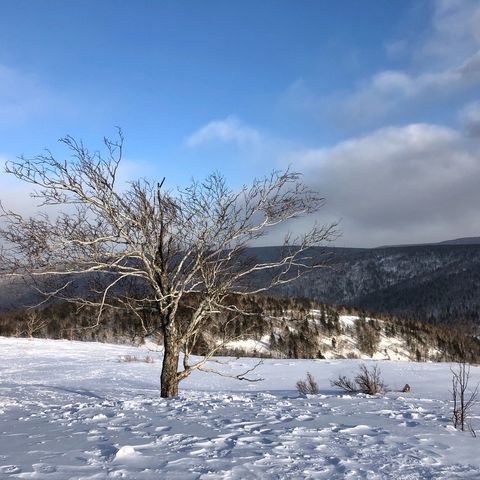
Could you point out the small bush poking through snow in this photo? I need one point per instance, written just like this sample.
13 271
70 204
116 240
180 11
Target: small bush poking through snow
367 381
308 386
133 358
148 359
128 358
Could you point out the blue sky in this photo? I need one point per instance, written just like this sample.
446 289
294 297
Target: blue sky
376 102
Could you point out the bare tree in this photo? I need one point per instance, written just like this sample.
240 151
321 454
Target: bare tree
34 322
463 399
159 245
31 323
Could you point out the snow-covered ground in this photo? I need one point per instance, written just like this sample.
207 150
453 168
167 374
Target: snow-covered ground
71 410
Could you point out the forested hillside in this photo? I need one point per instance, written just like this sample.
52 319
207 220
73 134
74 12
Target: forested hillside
435 283
272 327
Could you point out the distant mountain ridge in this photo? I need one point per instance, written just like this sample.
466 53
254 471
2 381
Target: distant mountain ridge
462 241
455 241
438 283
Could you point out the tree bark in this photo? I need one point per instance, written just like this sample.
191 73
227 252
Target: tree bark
169 377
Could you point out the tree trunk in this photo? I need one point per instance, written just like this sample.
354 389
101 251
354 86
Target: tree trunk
169 377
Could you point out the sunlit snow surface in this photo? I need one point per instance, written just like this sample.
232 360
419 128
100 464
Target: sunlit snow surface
71 410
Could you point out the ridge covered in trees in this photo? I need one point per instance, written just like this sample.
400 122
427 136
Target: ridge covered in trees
287 328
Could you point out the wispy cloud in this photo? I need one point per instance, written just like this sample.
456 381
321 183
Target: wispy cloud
228 130
454 32
470 119
444 61
442 64
389 90
22 96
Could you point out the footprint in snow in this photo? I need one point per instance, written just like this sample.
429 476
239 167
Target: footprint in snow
44 468
108 452
409 423
10 469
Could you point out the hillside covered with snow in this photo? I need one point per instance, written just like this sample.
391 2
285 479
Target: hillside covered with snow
78 410
346 336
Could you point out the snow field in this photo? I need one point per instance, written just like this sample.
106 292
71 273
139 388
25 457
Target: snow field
72 410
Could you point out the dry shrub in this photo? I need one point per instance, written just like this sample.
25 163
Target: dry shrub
133 358
148 359
128 358
366 381
308 386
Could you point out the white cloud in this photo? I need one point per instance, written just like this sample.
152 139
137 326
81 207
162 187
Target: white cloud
408 184
229 130
399 184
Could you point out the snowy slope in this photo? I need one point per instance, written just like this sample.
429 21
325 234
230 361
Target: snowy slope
71 410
